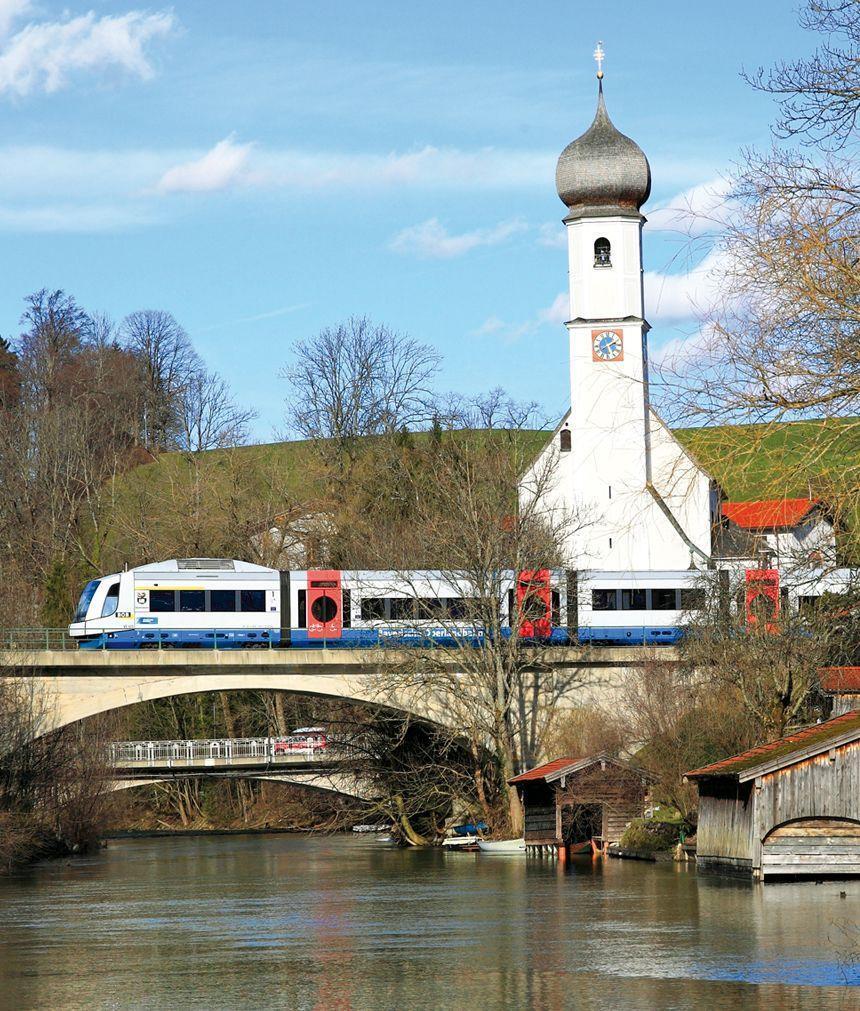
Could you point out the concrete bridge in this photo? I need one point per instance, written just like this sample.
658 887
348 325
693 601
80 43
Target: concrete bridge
139 763
70 684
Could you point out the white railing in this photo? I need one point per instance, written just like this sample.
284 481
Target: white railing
223 750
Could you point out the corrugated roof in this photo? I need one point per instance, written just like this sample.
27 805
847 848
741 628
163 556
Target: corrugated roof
818 735
769 513
840 679
542 771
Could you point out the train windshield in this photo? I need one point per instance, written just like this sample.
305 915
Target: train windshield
86 599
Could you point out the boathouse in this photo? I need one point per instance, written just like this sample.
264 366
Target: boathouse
569 802
791 807
842 686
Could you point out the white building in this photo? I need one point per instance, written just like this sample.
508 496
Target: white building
631 496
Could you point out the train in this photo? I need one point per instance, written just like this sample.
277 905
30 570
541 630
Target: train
224 603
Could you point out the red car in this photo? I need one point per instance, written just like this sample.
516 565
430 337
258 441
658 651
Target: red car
302 739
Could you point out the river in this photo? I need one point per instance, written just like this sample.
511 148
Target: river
286 921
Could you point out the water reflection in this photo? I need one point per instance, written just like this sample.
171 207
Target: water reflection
340 922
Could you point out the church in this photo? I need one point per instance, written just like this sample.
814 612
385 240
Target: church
613 476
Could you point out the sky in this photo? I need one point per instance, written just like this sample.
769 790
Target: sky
263 170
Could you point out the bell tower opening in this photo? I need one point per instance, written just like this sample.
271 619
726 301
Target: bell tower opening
602 252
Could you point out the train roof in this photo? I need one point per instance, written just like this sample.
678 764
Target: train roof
202 565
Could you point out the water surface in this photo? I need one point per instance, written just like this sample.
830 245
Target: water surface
296 922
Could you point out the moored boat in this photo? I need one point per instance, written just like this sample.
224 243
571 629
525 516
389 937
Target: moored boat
502 845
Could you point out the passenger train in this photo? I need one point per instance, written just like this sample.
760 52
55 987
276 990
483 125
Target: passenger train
227 604
224 604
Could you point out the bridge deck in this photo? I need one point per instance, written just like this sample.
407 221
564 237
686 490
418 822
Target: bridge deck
305 661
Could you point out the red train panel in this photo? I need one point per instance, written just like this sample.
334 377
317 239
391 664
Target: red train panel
534 603
325 604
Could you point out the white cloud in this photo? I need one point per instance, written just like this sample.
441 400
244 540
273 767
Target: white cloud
685 295
697 211
426 168
222 166
88 218
43 56
552 234
10 12
555 313
431 240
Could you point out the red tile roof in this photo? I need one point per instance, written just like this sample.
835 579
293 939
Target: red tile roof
542 771
769 513
818 734
840 679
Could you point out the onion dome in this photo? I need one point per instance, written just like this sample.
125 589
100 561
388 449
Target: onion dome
603 171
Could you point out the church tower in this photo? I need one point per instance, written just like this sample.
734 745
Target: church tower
635 498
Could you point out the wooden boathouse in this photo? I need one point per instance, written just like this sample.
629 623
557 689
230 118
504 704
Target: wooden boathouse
569 802
788 808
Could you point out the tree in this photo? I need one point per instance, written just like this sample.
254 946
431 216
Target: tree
359 379
498 689
168 362
781 342
207 416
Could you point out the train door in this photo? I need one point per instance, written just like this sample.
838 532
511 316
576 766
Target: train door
534 604
762 598
324 604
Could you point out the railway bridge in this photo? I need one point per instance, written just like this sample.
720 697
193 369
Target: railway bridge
68 684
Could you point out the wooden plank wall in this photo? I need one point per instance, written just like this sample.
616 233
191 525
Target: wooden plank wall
725 829
620 791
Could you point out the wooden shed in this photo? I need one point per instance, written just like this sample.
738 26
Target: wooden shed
570 801
791 807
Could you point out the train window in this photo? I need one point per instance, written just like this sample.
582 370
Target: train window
252 600
632 600
162 600
692 598
222 600
86 599
347 608
192 600
556 608
402 608
373 609
111 601
664 600
564 440
604 600
303 608
462 607
431 607
324 609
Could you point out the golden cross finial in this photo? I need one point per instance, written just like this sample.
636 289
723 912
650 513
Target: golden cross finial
599 56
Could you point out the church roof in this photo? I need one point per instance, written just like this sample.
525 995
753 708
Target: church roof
603 171
769 514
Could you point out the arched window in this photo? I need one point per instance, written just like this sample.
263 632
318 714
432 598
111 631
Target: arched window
564 440
602 250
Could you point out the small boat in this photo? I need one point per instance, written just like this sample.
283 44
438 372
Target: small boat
502 846
460 842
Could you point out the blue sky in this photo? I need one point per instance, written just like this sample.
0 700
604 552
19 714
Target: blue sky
265 169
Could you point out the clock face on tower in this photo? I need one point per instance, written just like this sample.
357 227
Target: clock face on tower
607 345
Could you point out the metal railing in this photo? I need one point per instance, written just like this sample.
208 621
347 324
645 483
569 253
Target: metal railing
269 750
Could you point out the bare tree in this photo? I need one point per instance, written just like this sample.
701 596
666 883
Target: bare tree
208 417
820 96
357 379
168 361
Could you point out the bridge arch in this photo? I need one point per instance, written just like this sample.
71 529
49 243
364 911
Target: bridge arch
68 698
342 784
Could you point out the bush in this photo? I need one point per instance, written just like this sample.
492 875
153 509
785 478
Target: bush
650 836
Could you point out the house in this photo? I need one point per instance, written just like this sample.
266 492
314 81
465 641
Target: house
791 532
842 684
788 808
570 801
